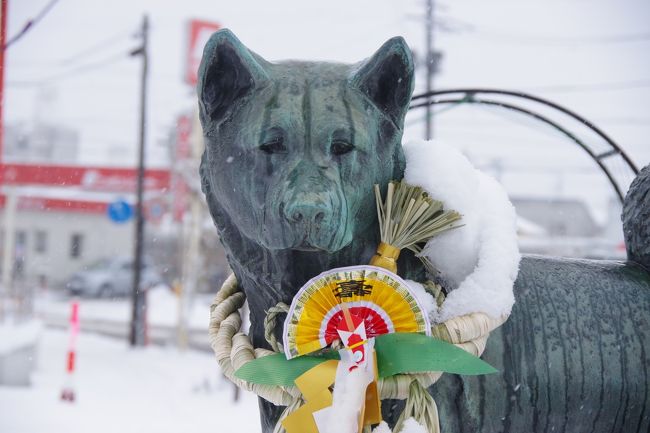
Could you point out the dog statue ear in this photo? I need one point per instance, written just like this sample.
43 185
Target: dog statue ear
228 71
387 78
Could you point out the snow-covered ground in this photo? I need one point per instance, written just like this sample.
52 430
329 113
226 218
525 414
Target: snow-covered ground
162 308
112 316
118 389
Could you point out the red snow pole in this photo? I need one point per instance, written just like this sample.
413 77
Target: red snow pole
68 391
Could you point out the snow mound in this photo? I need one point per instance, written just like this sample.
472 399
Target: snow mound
480 260
426 300
410 426
382 428
18 336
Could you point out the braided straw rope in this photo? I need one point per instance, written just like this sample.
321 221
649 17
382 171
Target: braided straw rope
233 349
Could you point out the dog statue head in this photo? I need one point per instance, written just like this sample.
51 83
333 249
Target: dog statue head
293 149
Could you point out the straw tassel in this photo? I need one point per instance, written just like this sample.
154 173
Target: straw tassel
408 218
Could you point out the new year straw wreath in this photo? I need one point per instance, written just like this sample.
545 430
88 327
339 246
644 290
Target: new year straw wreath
407 219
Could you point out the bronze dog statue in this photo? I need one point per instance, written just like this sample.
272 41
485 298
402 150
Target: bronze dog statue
292 152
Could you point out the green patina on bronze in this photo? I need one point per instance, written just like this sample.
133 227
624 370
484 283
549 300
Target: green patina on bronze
292 152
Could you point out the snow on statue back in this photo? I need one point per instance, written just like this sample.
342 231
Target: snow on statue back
480 260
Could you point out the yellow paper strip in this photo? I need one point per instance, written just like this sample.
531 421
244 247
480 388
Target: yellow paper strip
314 385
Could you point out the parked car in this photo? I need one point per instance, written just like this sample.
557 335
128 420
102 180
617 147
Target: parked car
110 278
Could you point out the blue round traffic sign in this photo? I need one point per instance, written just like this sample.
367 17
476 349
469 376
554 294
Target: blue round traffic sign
119 211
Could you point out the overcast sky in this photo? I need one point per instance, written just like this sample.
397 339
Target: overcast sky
591 55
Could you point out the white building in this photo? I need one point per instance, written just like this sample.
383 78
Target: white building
51 244
61 222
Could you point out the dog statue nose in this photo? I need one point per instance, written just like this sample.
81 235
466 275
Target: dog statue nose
307 213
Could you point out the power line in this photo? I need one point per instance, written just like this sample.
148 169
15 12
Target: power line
458 26
625 120
522 39
593 87
30 24
79 70
465 123
616 85
95 48
88 51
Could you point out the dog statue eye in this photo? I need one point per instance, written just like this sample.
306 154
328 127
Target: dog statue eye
273 146
340 147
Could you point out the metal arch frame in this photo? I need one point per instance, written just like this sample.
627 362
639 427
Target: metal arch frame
469 96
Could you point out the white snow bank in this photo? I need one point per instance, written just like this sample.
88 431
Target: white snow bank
480 260
18 336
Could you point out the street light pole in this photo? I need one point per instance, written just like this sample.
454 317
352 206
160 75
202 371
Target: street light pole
139 306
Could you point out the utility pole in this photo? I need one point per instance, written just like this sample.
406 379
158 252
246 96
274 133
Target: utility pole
8 249
430 67
139 304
